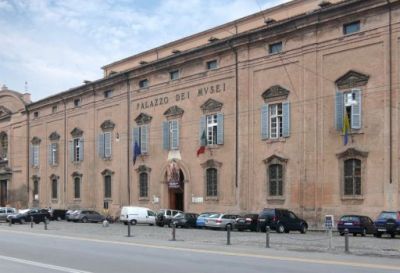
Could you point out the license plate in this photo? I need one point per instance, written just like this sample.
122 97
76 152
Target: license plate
348 224
381 229
261 220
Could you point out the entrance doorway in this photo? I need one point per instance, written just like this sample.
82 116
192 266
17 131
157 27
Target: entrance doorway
3 193
176 194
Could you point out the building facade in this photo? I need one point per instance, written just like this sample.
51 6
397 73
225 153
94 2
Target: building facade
295 107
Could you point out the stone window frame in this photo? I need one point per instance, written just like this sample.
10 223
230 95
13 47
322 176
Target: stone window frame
352 153
276 160
110 173
143 121
54 138
77 135
4 138
54 178
140 170
35 144
107 127
79 176
35 178
212 107
212 164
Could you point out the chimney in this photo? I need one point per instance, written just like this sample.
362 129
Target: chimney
27 97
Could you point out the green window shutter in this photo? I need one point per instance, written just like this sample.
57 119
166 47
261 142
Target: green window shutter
31 154
81 149
202 129
286 119
264 122
339 109
50 154
55 148
220 128
100 145
71 151
107 144
144 139
166 135
175 134
356 110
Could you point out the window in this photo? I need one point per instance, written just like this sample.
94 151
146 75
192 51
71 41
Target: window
35 114
54 189
212 64
174 75
143 184
35 190
76 150
275 116
77 188
3 146
212 126
108 94
275 173
54 109
275 48
105 145
212 129
212 182
348 106
53 154
143 83
171 135
77 102
107 186
351 27
275 120
352 177
141 137
35 155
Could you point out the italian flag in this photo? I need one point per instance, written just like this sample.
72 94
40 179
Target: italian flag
203 141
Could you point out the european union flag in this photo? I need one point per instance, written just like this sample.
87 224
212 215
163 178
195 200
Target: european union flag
346 129
136 152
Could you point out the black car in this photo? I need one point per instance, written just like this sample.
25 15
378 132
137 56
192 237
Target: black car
281 220
356 224
164 216
36 215
57 214
248 221
388 222
185 219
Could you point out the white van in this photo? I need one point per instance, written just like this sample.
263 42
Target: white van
137 215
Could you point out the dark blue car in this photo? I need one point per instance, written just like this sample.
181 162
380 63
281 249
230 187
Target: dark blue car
388 222
356 224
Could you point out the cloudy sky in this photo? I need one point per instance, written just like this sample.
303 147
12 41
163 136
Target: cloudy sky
54 45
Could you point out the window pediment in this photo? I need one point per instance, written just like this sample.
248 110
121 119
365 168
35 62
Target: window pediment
54 177
211 163
54 136
35 177
143 118
275 92
352 152
107 125
76 132
275 159
107 172
143 168
76 174
352 79
36 141
5 113
211 105
174 111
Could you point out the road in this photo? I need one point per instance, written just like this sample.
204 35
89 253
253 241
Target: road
22 252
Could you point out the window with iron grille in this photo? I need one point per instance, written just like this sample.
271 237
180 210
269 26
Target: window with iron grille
212 182
143 184
54 189
77 188
275 174
107 186
352 177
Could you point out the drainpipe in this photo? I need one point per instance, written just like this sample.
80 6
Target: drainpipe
390 97
128 138
27 146
65 152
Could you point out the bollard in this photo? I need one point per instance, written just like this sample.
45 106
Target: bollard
173 232
45 223
346 240
10 222
129 228
267 236
330 238
228 234
31 221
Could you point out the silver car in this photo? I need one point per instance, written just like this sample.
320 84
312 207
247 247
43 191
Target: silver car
5 212
221 221
86 216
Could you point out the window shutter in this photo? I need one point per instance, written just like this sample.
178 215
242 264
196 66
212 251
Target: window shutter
144 138
166 135
264 122
35 155
55 147
50 154
356 110
175 134
201 130
71 151
220 128
81 150
107 144
286 119
339 110
31 154
100 145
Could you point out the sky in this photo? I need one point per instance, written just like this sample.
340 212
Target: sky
49 46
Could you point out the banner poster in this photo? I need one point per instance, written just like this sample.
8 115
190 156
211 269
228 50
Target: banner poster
173 177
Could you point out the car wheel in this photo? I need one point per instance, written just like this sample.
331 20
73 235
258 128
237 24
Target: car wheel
355 234
280 228
133 222
303 229
392 235
341 233
228 226
84 220
151 224
364 232
378 234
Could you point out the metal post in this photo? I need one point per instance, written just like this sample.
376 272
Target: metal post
129 228
346 240
10 222
31 221
267 237
45 223
228 234
330 238
173 232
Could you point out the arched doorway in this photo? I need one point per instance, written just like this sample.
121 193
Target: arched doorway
176 186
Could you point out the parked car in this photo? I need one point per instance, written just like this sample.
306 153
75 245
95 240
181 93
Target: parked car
5 212
86 216
68 213
388 222
185 219
248 221
57 214
221 220
356 224
201 219
281 220
164 216
137 215
36 215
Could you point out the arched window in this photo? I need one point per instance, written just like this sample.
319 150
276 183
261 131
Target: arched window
3 145
352 177
275 174
54 189
77 187
212 182
143 184
107 186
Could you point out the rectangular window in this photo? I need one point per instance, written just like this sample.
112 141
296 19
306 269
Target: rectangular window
107 186
36 114
352 108
212 64
35 155
275 48
76 150
108 94
54 189
77 188
77 102
53 160
212 127
275 120
141 137
105 145
143 83
54 109
174 75
351 27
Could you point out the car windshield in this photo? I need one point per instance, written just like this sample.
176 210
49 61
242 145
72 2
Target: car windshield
179 215
22 211
349 218
214 215
387 215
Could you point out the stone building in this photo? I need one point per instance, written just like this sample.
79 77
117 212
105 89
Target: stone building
295 107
